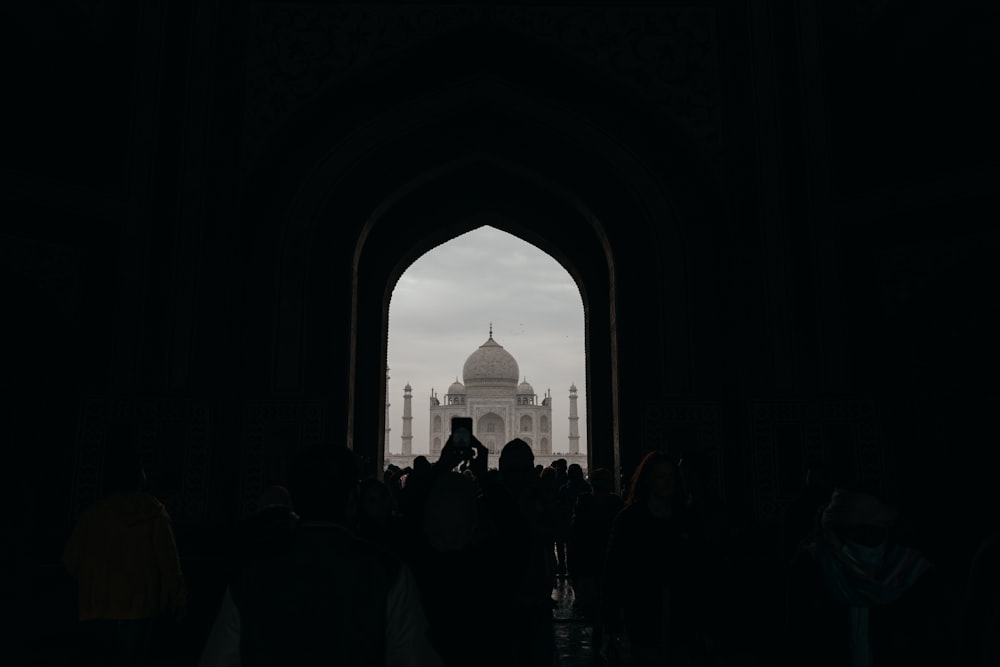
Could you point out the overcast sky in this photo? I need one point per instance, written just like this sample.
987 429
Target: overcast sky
441 311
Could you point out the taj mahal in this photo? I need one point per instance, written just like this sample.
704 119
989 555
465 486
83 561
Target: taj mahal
501 408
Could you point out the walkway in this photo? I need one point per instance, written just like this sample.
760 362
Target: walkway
572 636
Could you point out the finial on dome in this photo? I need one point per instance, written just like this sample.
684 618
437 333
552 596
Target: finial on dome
491 330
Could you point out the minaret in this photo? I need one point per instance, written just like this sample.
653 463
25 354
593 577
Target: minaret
407 421
387 441
574 422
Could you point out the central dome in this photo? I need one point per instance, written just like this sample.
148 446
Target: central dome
490 364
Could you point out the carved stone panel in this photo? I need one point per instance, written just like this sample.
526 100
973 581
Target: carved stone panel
669 54
790 436
687 428
172 438
274 432
54 269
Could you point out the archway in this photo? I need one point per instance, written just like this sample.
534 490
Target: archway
404 183
454 218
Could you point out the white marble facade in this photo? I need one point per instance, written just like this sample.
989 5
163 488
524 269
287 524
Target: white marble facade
501 409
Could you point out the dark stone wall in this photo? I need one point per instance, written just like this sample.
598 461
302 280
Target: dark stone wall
779 215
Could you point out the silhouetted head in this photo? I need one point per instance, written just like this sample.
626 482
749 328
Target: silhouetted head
550 478
324 482
123 472
858 517
421 464
575 472
560 465
539 469
517 462
657 475
602 481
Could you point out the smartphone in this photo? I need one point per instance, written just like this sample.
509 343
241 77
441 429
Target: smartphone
461 433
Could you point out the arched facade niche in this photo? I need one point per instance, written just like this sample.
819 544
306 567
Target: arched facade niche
492 432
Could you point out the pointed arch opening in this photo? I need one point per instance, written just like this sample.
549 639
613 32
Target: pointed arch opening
438 315
505 196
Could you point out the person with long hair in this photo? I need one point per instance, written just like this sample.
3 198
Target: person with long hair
647 596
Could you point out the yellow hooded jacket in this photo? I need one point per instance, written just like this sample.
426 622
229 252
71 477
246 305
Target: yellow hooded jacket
124 559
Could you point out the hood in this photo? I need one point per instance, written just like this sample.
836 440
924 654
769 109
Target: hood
130 509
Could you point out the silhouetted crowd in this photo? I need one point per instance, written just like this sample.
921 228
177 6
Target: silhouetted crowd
452 563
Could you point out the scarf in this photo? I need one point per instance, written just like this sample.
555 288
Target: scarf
861 577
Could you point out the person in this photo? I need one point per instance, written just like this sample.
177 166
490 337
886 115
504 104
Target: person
421 464
575 484
415 482
273 518
519 517
562 474
561 527
124 559
565 503
648 588
446 547
320 595
862 598
393 481
549 489
593 516
375 521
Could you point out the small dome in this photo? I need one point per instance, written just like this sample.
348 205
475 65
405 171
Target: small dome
456 388
572 388
525 388
407 388
490 364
